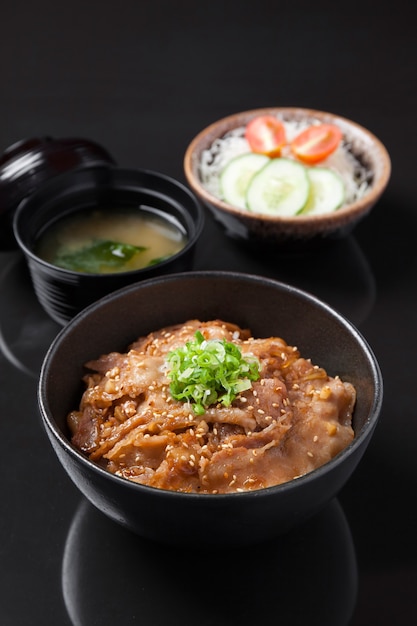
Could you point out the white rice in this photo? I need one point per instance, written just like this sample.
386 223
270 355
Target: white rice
214 159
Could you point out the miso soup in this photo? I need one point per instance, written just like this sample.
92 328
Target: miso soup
105 240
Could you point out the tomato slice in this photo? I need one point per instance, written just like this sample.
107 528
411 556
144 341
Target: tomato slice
316 143
266 135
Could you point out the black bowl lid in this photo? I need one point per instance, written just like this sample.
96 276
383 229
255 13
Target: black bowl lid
27 164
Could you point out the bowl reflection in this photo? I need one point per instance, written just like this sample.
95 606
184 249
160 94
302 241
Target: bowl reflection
338 272
26 331
112 576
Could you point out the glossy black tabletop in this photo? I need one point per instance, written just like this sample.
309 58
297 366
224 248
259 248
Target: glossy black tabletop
142 78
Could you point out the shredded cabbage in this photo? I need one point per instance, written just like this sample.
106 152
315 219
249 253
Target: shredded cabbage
213 160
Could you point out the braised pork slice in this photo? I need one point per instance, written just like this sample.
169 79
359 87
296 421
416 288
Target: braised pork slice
291 420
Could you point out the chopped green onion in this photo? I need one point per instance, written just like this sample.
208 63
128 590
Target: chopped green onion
209 371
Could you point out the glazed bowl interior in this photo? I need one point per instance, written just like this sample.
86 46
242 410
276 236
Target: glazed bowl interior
268 308
63 292
369 152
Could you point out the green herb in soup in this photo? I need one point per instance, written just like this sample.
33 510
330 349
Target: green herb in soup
101 241
102 256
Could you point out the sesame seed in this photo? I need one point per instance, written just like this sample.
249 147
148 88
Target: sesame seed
325 392
315 438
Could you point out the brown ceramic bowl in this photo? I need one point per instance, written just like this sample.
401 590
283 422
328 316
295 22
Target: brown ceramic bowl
371 155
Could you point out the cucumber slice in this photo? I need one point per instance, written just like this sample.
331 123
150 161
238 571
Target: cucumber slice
280 188
236 176
327 191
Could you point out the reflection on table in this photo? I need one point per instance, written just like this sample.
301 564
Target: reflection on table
112 576
336 271
26 331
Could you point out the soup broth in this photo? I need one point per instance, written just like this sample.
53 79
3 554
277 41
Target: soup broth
105 240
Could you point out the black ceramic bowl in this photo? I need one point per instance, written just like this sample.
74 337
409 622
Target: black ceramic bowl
64 293
268 308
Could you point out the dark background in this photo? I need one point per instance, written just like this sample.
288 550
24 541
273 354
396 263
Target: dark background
142 78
